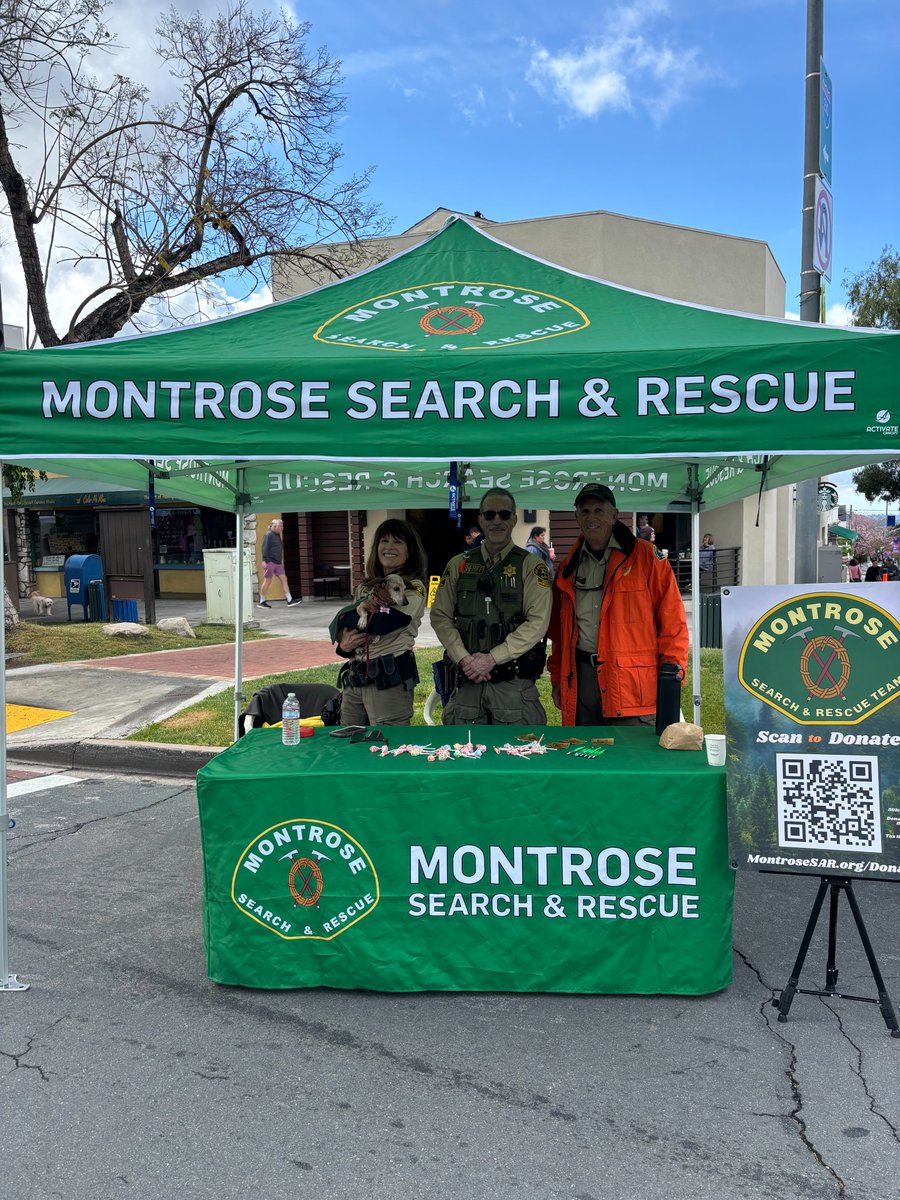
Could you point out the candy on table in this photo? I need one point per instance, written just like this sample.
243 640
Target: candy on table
526 751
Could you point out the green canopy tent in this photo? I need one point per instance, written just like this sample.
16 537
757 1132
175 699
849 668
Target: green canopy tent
461 349
360 393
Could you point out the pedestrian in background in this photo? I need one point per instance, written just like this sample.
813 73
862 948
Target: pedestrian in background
272 555
537 545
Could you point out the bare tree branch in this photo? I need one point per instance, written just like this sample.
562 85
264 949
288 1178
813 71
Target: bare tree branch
240 169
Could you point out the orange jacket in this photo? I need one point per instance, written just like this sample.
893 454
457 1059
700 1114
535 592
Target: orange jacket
642 624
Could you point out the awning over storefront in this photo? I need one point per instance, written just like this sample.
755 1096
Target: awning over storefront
70 491
841 531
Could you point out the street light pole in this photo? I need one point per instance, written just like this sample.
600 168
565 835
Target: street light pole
806 519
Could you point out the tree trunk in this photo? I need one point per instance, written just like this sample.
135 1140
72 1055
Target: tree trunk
11 616
24 568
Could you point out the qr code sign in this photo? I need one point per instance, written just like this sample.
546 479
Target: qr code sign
828 802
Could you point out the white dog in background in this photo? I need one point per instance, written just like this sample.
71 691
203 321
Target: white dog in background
43 605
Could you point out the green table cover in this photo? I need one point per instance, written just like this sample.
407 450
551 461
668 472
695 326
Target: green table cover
325 864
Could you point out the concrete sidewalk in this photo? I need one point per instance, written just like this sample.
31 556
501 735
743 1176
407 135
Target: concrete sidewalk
110 698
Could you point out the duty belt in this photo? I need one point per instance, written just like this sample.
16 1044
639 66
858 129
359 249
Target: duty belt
386 671
585 656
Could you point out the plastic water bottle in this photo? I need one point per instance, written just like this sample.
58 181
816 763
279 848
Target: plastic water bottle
290 721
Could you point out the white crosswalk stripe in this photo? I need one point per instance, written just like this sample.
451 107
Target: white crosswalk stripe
40 783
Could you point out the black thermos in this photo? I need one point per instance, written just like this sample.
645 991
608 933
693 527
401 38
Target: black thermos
668 695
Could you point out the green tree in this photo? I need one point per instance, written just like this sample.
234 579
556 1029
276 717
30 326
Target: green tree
879 481
874 299
874 293
157 195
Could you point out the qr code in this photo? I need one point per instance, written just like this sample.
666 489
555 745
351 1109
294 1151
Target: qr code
828 802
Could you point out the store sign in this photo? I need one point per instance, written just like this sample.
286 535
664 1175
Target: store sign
811 683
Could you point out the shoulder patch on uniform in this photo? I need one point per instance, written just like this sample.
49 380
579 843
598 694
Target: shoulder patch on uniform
541 574
659 554
418 587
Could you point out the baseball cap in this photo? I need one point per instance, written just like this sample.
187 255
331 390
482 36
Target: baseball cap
595 491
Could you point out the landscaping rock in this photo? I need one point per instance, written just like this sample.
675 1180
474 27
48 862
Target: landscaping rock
179 625
126 629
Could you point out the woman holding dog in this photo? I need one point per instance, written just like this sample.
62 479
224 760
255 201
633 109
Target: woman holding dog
378 681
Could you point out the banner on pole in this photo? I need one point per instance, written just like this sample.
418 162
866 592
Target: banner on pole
811 682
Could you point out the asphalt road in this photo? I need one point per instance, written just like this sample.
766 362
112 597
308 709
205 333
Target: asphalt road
126 1072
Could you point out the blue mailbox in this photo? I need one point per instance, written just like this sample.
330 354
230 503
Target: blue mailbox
81 571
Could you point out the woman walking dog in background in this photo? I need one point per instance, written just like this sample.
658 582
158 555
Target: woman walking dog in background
378 681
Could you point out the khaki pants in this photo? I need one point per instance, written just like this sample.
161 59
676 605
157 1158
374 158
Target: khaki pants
369 706
515 702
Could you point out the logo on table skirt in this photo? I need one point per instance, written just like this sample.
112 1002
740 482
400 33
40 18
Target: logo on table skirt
452 316
823 657
305 878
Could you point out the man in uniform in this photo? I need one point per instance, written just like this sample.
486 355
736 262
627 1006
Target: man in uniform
617 617
491 612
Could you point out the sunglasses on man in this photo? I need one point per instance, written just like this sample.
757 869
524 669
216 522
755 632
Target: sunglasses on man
503 513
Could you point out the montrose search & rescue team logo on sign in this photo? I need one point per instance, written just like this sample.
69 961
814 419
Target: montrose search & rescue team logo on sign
824 657
452 316
305 879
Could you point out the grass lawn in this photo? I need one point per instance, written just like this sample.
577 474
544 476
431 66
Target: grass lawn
210 723
30 643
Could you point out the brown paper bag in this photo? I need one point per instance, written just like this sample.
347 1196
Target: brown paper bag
681 736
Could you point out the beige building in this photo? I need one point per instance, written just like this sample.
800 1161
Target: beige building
694 265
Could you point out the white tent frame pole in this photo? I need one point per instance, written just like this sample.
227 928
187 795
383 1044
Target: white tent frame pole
8 983
239 610
695 589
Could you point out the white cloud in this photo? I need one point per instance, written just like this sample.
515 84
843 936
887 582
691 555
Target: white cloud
626 70
835 314
471 103
838 314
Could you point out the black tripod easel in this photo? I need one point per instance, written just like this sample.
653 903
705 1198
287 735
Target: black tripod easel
837 884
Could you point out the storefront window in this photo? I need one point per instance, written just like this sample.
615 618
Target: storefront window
182 534
68 532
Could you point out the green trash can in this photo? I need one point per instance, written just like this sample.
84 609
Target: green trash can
96 602
711 620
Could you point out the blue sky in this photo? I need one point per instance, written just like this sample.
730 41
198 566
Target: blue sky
689 112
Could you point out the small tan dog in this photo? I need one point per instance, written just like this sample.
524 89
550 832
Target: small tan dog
43 605
389 592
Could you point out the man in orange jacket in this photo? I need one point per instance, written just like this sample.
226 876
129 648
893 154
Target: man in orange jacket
617 616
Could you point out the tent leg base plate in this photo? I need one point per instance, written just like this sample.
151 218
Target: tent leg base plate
12 984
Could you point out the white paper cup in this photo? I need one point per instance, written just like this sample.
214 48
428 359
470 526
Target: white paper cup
715 749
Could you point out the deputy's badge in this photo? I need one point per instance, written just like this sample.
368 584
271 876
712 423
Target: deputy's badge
509 571
541 574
